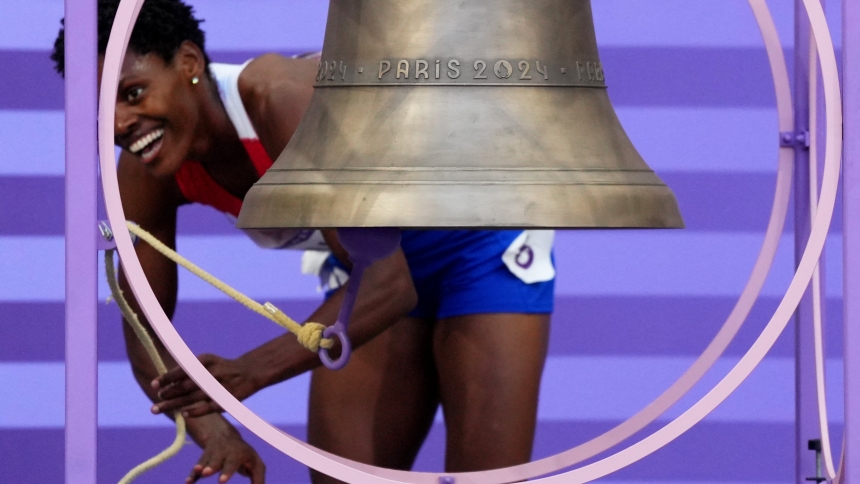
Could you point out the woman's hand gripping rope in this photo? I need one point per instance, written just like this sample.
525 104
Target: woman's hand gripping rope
179 393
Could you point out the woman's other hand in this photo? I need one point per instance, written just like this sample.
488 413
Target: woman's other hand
227 453
181 394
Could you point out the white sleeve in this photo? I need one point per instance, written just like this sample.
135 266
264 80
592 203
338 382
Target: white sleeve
294 239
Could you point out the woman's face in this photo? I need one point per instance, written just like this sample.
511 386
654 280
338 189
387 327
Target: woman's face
157 110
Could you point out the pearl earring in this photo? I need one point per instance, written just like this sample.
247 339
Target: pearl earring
195 80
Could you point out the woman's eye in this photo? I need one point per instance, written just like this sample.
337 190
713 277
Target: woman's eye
133 93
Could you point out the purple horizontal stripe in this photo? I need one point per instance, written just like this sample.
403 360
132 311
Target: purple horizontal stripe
28 81
34 331
650 76
736 202
729 202
32 205
710 452
675 326
582 326
693 77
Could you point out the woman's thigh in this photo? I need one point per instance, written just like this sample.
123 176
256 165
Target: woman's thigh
379 408
490 368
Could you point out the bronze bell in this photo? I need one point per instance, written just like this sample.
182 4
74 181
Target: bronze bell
460 113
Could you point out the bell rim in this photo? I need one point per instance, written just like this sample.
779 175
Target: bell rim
484 207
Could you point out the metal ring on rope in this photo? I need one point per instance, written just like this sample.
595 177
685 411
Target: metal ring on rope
360 473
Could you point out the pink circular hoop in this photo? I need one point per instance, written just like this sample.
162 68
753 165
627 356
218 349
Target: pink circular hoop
363 474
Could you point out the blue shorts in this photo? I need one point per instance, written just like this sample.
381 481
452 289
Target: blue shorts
461 272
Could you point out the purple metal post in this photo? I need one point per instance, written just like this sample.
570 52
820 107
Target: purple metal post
851 234
806 403
81 251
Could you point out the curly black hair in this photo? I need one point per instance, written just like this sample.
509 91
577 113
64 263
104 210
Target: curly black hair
161 27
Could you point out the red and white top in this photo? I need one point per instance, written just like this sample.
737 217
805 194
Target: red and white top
197 186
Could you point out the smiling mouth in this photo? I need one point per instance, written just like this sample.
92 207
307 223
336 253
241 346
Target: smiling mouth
147 147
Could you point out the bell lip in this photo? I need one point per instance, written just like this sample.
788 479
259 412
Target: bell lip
444 207
682 226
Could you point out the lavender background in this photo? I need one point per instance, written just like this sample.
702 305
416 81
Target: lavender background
691 85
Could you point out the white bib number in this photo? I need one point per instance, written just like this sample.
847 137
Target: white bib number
529 257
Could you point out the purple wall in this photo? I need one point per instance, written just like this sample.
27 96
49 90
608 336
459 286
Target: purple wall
633 308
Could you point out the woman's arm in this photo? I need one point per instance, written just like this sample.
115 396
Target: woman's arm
276 92
152 203
386 295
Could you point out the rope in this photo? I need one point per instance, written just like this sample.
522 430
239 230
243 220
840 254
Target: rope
149 345
309 334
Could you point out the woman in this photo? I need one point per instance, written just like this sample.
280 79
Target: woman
475 341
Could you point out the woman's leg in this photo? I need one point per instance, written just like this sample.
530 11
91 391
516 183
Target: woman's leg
379 408
490 368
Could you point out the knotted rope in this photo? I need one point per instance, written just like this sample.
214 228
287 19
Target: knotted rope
309 334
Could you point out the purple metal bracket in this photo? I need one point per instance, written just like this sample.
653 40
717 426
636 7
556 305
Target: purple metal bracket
104 237
365 246
789 139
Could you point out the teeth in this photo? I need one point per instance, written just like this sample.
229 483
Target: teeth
142 143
